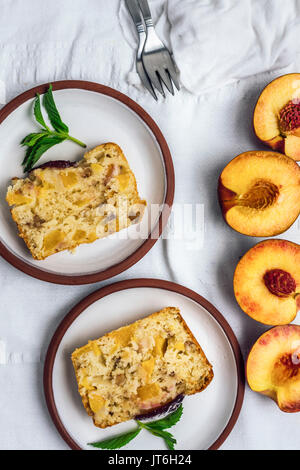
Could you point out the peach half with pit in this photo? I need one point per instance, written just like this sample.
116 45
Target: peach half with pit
273 366
276 118
267 282
259 193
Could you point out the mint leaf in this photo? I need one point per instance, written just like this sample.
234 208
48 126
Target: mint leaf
117 442
170 444
53 114
167 436
166 422
38 112
42 145
38 143
31 139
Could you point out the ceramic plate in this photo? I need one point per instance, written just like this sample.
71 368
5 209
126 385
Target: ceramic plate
95 114
208 416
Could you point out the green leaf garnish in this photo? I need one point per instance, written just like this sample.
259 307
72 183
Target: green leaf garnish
38 143
33 154
167 436
117 442
53 114
38 112
31 139
168 421
157 428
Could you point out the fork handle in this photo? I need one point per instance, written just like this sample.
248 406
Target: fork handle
133 8
144 6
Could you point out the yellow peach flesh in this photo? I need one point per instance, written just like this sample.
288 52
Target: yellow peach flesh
270 104
96 402
273 366
148 367
160 346
146 392
259 193
292 147
18 199
53 239
250 289
69 178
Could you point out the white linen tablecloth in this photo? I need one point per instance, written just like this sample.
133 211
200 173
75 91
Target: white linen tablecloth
205 125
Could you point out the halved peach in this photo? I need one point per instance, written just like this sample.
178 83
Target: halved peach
259 193
273 366
267 282
276 117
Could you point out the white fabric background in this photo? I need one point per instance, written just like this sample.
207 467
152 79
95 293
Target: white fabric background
234 48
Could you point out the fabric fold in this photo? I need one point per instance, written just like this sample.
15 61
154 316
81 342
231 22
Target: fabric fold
220 41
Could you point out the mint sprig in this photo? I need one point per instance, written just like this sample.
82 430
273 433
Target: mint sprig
157 428
38 143
118 441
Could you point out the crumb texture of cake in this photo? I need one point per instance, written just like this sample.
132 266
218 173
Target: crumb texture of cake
59 208
140 367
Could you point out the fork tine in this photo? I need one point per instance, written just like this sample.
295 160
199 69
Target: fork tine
173 73
157 60
144 78
155 80
165 77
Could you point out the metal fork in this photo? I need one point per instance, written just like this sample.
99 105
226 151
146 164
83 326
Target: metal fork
135 12
157 60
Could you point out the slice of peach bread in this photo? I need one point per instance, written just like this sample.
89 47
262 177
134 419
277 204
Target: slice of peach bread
140 367
61 205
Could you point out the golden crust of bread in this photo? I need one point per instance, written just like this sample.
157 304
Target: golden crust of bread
56 209
140 367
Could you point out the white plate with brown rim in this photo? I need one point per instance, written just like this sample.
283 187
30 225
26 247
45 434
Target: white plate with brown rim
95 114
208 417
